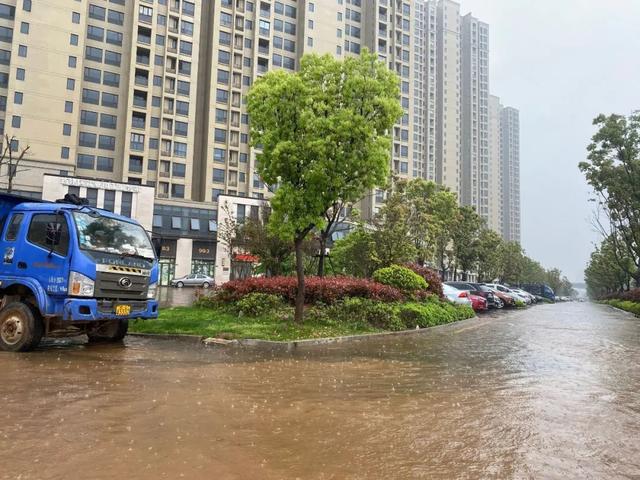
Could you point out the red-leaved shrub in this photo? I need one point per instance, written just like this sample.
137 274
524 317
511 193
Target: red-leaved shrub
632 295
431 276
325 290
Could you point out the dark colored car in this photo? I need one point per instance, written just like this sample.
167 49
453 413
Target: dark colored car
480 291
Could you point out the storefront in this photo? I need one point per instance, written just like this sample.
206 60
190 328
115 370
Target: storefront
203 257
167 260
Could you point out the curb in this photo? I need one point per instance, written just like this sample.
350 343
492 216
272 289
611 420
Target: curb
289 346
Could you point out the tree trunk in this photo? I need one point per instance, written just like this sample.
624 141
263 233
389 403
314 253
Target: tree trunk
300 273
323 244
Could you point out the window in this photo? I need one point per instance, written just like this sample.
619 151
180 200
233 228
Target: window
16 120
218 175
184 87
64 153
181 128
14 227
186 47
117 18
95 33
111 79
85 161
223 77
195 224
73 39
4 80
72 62
71 84
184 67
87 139
43 229
290 11
126 204
112 58
66 129
135 164
222 96
92 75
162 19
104 164
68 107
290 28
179 149
26 5
114 38
3 103
93 53
220 135
109 100
17 98
186 28
109 200
226 19
224 57
24 28
90 96
6 34
75 17
225 38
221 115
137 142
176 223
145 14
219 155
177 190
309 42
188 8
96 12
20 73
22 51
179 170
88 117
5 57
159 40
107 142
182 108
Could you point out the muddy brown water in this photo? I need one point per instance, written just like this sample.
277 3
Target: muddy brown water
550 392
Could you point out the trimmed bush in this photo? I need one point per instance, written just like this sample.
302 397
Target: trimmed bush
256 304
327 290
376 314
627 305
432 314
402 278
430 276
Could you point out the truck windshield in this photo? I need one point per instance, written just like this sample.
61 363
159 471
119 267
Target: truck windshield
104 234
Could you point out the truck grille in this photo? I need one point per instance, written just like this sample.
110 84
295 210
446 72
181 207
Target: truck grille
111 285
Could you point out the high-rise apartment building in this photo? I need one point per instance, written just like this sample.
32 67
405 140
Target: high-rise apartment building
494 217
475 115
510 159
153 93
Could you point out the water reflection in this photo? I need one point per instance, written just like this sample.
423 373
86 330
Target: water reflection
551 392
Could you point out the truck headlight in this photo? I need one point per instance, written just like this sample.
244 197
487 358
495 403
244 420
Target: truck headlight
80 285
151 293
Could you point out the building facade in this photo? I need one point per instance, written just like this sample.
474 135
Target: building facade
510 160
153 93
494 218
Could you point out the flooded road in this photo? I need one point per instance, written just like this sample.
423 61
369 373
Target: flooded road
550 392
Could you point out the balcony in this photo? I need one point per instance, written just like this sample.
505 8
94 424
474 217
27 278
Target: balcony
164 174
167 131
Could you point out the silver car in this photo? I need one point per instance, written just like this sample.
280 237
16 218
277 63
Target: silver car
193 280
461 297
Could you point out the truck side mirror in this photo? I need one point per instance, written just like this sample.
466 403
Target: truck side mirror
54 233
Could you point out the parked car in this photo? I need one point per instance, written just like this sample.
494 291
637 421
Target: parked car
507 300
522 293
479 290
507 291
461 297
539 289
193 280
478 303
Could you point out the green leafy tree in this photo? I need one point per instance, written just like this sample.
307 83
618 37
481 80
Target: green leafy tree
391 239
511 262
465 239
323 136
613 171
353 254
489 243
606 271
444 210
419 194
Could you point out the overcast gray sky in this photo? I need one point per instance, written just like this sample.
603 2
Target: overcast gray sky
561 62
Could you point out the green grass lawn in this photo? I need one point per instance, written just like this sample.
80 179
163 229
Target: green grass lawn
210 322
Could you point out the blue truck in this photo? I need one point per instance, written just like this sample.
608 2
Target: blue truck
70 269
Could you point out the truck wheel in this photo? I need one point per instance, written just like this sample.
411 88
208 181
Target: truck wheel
21 327
110 331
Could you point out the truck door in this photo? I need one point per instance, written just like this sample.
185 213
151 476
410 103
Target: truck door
8 250
43 253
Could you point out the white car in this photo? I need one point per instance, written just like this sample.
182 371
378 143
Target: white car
510 292
461 297
525 294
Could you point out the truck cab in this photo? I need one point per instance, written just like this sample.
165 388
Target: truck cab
70 269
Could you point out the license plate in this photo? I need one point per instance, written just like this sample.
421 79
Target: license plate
123 309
